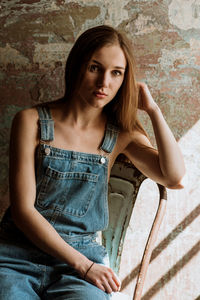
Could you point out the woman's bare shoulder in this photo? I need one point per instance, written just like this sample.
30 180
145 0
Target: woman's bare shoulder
27 114
32 112
25 125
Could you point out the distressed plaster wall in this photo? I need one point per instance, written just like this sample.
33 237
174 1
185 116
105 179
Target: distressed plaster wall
35 38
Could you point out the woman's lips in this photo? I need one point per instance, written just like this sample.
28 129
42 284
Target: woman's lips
100 95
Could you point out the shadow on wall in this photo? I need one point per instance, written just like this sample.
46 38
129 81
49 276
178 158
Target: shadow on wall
164 244
181 245
172 272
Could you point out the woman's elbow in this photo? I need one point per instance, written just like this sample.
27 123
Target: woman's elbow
20 215
176 183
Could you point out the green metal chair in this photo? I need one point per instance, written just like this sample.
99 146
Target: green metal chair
124 184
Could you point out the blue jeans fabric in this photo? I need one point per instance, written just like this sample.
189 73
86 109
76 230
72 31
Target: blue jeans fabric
28 273
71 193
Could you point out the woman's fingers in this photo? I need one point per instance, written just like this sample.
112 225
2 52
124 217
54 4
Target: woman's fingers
114 286
108 285
145 99
101 287
117 281
104 278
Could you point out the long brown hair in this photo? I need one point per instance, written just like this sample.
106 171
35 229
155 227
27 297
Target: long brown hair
122 110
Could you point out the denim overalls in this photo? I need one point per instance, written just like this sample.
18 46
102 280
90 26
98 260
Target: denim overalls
72 196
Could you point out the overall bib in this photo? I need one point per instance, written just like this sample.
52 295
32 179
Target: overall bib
71 193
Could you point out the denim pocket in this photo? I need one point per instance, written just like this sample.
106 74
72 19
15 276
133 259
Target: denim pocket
72 192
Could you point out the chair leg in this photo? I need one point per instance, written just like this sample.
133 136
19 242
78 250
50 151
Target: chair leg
149 247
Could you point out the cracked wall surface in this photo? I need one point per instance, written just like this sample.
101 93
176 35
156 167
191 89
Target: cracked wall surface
36 37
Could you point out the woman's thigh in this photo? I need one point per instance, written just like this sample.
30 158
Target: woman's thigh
16 285
26 273
72 287
20 278
66 282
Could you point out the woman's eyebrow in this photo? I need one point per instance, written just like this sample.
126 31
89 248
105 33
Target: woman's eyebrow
116 67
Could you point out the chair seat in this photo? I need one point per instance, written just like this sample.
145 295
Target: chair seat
120 296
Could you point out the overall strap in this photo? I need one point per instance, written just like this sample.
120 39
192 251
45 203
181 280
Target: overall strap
46 123
110 138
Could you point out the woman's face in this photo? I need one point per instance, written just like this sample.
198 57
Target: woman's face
103 76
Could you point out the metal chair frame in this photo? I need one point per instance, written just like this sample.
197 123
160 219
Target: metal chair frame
124 184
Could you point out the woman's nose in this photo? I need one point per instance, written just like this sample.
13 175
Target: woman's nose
103 80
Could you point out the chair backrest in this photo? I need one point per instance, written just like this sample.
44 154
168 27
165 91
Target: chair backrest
124 184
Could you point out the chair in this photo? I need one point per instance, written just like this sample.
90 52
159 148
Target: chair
124 184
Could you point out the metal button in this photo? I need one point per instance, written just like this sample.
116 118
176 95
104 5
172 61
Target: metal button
102 160
47 151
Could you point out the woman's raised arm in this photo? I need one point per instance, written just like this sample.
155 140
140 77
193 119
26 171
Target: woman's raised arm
164 165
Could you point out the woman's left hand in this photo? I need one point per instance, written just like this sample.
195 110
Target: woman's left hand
145 100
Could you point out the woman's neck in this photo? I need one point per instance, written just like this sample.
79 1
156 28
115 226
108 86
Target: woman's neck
80 115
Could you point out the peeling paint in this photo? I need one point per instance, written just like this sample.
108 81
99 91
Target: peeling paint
116 12
195 44
173 59
49 53
9 55
146 24
185 14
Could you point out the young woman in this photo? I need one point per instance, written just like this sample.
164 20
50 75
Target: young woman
61 154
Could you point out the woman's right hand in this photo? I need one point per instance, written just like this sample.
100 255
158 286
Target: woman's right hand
104 278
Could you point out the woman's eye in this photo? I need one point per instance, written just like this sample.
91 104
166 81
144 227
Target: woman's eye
117 73
93 68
